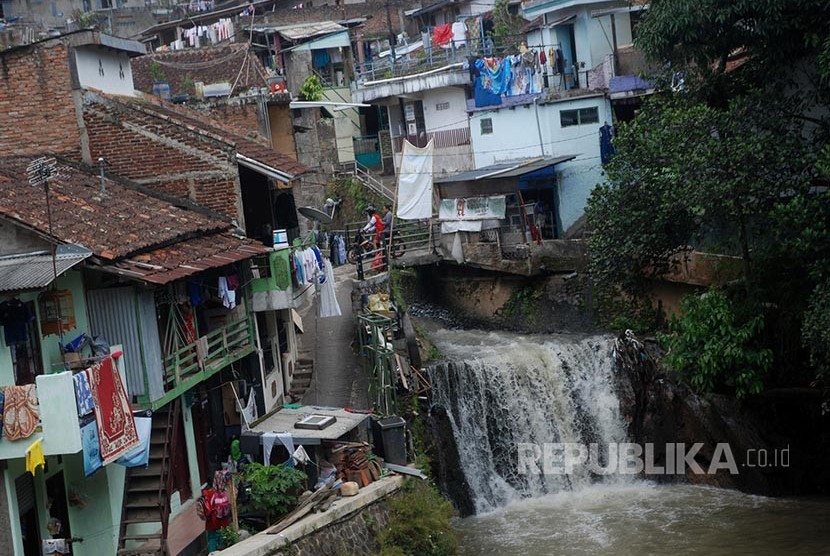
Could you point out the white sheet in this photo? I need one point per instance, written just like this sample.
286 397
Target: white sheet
415 182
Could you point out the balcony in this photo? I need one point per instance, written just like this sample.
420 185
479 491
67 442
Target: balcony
197 361
59 425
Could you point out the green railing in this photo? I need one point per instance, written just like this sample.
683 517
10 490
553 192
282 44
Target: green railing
199 360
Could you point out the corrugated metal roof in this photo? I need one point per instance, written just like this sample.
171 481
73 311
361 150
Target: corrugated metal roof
32 271
188 257
506 169
299 31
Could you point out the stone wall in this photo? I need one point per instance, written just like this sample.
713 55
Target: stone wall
356 533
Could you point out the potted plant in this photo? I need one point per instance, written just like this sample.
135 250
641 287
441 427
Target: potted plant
161 87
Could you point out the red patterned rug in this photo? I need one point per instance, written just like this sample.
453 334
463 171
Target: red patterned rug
113 414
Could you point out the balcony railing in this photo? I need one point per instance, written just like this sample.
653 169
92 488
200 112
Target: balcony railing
199 360
442 139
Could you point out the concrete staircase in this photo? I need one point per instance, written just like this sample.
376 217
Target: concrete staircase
372 182
301 380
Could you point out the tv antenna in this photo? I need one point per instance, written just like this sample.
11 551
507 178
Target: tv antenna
40 171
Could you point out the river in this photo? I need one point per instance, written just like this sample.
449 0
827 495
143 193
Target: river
503 391
643 519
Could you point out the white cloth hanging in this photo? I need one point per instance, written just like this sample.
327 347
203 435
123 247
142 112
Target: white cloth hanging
228 296
249 412
329 307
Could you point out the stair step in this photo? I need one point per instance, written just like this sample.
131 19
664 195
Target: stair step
149 471
142 504
143 515
140 551
297 393
144 483
302 362
302 374
158 436
138 521
301 383
145 537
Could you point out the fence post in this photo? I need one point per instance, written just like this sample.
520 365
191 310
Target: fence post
360 266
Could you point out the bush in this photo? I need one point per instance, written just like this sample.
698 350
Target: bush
273 489
419 524
816 330
715 348
312 89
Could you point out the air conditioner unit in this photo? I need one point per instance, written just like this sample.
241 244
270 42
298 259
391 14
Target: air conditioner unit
287 371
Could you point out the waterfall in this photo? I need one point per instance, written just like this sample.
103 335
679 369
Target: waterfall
501 390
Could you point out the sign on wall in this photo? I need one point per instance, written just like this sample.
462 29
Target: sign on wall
472 208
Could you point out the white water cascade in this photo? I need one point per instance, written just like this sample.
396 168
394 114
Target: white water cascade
501 390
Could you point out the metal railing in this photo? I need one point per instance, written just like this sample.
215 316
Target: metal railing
410 239
442 139
208 354
367 178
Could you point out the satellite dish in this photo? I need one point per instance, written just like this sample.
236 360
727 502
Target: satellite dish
315 214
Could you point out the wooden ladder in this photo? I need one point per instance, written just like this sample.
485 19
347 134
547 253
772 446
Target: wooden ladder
147 490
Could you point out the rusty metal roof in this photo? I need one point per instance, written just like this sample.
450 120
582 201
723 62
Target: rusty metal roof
188 257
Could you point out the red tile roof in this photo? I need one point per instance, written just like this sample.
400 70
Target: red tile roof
135 234
248 144
233 63
117 224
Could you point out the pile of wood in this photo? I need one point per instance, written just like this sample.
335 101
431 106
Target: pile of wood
317 501
354 462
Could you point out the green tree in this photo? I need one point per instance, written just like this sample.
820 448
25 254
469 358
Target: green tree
691 174
715 348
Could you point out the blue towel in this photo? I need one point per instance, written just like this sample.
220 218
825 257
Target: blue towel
140 455
83 394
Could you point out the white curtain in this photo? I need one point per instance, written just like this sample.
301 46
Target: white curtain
415 182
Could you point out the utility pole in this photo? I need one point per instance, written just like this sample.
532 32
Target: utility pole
391 35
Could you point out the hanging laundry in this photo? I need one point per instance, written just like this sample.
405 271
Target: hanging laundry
233 282
83 394
227 296
459 34
249 412
54 546
21 411
442 35
329 307
34 456
268 440
318 256
91 448
320 58
117 432
140 455
14 318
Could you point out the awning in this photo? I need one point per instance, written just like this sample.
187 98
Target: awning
33 271
284 419
561 21
429 9
263 168
506 169
334 40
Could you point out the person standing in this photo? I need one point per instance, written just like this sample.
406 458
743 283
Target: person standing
539 216
387 221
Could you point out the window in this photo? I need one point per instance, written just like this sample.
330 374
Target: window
442 106
487 126
580 116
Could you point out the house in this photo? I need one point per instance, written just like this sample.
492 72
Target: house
123 286
159 196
